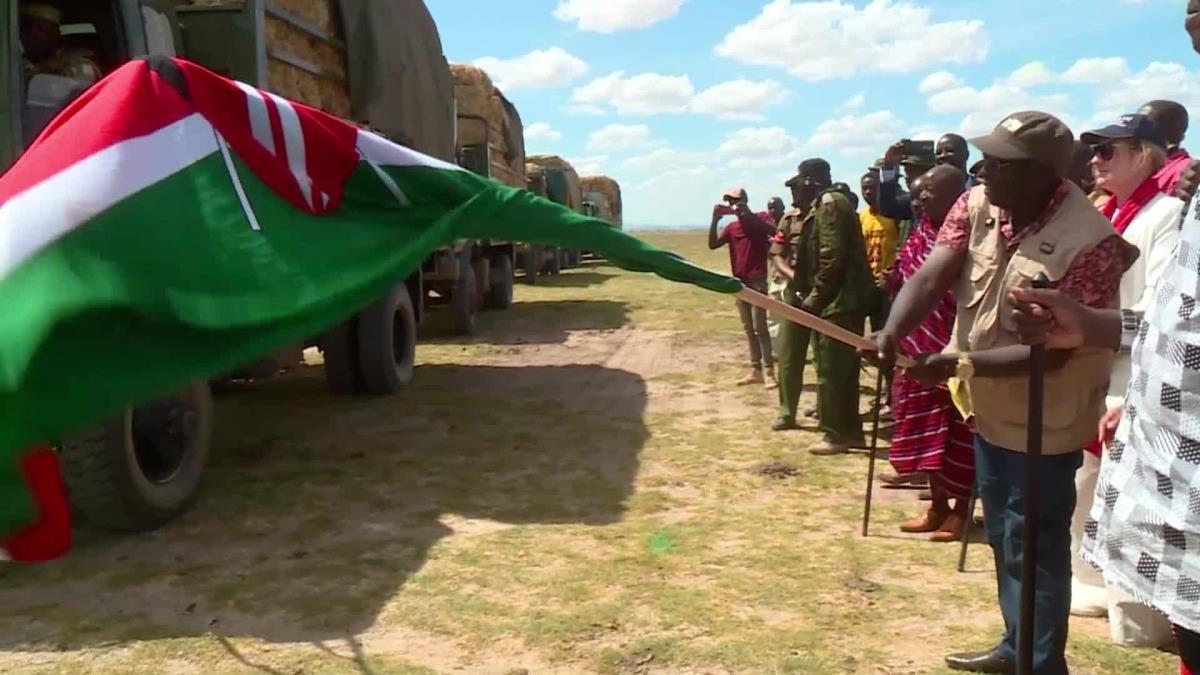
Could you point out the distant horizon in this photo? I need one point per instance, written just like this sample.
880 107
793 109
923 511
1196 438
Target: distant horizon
672 228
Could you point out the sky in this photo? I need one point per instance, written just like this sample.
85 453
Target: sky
679 100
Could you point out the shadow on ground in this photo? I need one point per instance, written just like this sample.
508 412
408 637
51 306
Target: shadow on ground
537 322
317 510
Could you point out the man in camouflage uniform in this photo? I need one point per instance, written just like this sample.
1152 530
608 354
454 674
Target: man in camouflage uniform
826 261
42 51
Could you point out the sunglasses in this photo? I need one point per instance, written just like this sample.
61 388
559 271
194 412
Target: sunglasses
1107 150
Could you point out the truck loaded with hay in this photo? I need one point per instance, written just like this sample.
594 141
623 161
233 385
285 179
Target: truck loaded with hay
376 62
553 177
602 199
491 142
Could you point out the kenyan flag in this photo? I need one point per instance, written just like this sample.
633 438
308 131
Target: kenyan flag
172 224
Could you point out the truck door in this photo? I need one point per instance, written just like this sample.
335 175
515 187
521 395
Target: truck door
151 28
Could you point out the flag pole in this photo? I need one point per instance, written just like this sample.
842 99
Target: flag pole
814 322
1032 498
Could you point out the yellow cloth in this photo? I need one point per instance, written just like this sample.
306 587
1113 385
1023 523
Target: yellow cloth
960 393
879 233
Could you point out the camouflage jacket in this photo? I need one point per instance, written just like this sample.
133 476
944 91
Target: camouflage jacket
73 63
835 259
791 238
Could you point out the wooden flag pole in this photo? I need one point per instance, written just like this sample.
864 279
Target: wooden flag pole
814 322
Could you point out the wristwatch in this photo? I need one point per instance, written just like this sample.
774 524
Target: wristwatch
965 368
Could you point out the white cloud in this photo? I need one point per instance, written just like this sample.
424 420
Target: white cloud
1158 80
758 147
645 94
617 137
1096 71
1031 74
665 160
854 134
541 131
583 109
854 102
539 68
739 99
655 94
608 16
834 39
985 107
939 81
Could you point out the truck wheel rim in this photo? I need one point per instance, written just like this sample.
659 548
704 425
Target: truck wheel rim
162 433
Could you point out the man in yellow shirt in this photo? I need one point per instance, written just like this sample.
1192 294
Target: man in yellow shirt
879 233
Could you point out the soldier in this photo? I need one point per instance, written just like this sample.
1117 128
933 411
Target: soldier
42 53
792 353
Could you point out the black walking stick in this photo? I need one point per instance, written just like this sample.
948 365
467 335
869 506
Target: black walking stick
1033 499
874 449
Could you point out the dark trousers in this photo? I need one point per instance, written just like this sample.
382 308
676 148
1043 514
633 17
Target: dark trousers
1000 474
754 322
793 357
1189 648
837 384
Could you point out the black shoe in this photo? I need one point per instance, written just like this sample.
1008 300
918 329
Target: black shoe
782 423
989 661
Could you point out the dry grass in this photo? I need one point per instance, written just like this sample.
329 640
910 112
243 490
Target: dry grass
575 491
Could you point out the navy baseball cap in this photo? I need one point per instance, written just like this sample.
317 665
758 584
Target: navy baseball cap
1129 127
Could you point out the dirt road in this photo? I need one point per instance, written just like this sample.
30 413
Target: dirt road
577 490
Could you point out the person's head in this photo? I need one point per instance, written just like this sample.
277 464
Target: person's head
975 169
1125 154
917 186
1170 117
1025 157
776 208
939 189
870 188
849 194
913 171
1081 172
1192 23
40 29
952 149
812 176
735 196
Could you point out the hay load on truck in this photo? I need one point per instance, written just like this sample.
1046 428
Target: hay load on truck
562 186
602 199
491 143
377 62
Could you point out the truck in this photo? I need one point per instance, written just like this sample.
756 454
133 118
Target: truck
563 187
491 143
378 63
602 199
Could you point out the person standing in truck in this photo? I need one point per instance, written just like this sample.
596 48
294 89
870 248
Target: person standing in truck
42 51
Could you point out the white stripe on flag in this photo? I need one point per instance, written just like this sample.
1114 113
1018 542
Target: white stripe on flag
379 150
237 182
293 141
39 216
260 119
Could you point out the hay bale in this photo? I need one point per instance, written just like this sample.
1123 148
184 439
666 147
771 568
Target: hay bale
470 76
323 13
557 163
605 193
299 84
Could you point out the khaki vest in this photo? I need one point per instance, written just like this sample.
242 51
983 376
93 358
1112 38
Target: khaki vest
1074 394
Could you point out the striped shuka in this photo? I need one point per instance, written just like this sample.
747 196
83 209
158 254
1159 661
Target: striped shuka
930 435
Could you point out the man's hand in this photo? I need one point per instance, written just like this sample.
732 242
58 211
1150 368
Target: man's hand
893 155
1188 181
884 351
1108 425
933 369
809 303
1049 317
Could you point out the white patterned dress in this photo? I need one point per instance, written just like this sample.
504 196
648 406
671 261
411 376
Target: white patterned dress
1144 529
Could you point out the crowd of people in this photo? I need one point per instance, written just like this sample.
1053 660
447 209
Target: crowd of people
942 272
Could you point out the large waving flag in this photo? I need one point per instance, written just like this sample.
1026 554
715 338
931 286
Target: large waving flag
172 224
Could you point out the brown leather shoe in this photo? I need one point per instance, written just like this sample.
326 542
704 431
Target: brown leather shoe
930 522
951 529
771 382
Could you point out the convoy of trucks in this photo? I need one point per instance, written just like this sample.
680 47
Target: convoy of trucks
378 63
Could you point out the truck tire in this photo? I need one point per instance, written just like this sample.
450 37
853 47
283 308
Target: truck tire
141 470
339 346
554 266
464 303
387 343
501 294
533 264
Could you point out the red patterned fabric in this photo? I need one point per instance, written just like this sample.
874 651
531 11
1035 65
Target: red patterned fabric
1092 279
930 435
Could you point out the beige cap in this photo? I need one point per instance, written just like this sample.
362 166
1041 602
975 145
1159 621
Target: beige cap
1031 135
42 10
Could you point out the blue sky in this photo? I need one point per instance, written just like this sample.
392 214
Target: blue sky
680 99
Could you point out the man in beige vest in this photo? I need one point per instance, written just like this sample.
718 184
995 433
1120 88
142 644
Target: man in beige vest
1025 220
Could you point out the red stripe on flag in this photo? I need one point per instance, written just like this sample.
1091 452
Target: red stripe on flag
330 144
97 120
50 536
